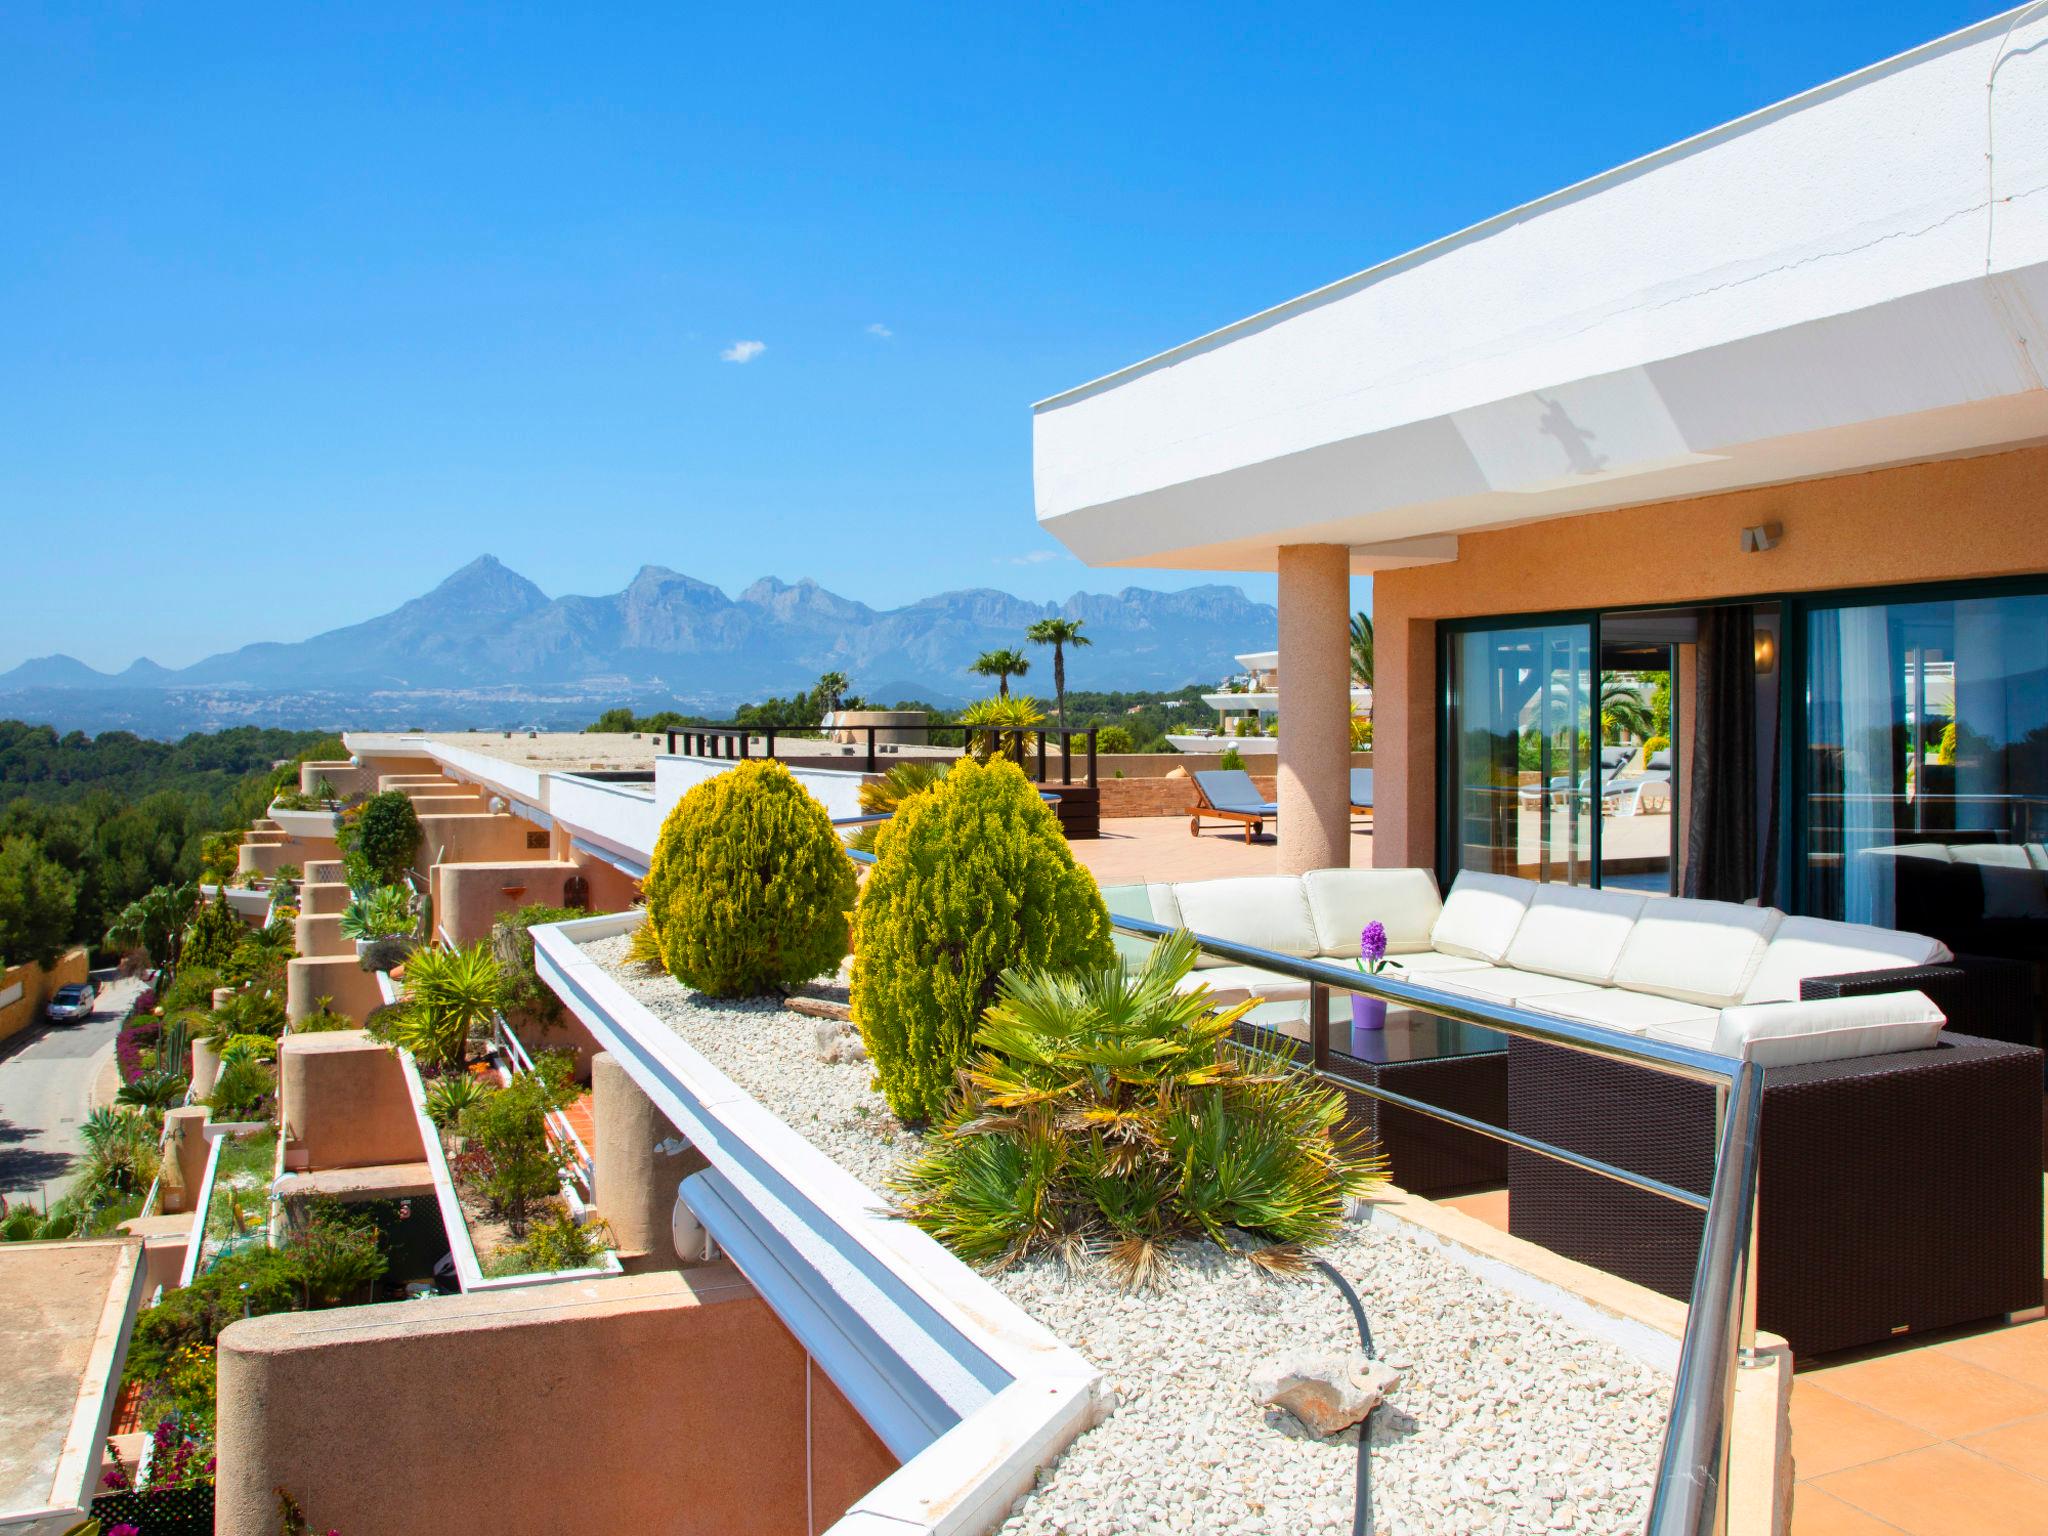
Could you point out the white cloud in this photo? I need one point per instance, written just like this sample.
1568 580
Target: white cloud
1036 557
744 351
880 330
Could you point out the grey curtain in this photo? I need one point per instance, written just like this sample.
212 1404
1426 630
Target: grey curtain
1721 840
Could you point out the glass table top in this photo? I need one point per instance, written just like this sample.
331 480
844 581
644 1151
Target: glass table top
1407 1035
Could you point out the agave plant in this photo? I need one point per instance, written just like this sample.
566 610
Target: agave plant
451 1096
157 1090
380 912
1110 1112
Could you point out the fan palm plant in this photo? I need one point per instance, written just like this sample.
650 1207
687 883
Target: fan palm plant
1361 649
1622 708
1004 727
829 690
158 1091
1110 1112
1001 665
155 923
380 912
451 995
1059 634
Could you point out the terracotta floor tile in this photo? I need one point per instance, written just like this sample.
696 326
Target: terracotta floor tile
1815 1513
1831 1432
1944 1490
2020 1352
1942 1394
1489 1206
2022 1446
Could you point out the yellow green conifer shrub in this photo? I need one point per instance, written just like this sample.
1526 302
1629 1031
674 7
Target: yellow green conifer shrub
749 887
971 878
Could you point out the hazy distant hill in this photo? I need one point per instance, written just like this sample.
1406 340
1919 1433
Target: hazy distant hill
487 646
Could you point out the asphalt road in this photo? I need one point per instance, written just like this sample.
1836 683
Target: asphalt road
46 1077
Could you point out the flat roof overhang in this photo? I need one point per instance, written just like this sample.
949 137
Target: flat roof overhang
1852 279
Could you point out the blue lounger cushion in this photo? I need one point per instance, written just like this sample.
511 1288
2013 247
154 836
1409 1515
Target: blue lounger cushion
1232 789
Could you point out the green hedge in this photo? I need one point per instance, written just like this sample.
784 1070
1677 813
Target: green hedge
971 878
749 887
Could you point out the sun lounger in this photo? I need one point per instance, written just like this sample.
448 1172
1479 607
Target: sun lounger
1228 794
1361 791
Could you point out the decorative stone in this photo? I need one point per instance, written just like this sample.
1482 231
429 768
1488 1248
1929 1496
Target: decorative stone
838 1040
1328 1392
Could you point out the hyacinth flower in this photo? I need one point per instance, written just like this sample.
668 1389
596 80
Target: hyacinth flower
1371 1012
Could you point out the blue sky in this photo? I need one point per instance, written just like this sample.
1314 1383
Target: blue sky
304 307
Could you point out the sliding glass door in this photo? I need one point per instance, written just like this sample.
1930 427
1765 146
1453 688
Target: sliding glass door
1521 751
1925 801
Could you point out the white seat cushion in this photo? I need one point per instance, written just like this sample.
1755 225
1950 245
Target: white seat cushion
1632 1013
1814 946
1505 984
1705 952
1696 1033
1480 916
1572 931
1265 911
1230 984
1429 962
1828 1029
1343 901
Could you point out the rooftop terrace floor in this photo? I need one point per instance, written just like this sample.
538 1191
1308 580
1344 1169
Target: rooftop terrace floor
57 1306
1134 848
1942 1435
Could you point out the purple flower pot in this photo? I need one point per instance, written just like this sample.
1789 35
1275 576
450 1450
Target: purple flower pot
1368 1012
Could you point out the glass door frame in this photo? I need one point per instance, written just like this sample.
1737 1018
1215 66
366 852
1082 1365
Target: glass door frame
1447 797
1794 608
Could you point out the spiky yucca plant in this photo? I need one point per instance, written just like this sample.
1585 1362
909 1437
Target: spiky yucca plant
887 795
1106 1112
451 997
644 947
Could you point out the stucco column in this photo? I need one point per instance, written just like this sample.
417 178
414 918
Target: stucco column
1315 707
635 1185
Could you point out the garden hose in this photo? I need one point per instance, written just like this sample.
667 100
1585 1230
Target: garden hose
1361 1508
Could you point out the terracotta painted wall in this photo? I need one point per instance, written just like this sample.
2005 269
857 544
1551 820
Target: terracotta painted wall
24 1006
1956 519
344 1103
639 1403
472 897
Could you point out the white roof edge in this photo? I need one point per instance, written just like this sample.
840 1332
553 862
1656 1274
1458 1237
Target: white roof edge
1734 128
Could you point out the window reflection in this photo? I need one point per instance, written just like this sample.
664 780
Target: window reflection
1927 805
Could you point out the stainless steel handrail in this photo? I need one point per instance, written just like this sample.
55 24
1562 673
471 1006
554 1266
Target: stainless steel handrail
1691 1493
515 1050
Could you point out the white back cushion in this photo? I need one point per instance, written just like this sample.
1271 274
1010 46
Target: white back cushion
1814 946
1343 901
1705 952
1829 1028
1268 911
1572 931
1480 916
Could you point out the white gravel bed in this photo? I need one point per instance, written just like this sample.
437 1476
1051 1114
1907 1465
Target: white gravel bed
1505 1420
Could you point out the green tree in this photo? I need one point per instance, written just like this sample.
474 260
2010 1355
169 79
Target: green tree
155 923
213 933
971 878
1059 634
1002 665
1622 709
616 722
451 996
381 838
749 886
38 899
830 689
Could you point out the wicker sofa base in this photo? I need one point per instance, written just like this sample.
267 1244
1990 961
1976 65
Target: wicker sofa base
1898 1193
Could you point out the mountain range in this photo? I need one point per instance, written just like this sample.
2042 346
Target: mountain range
666 639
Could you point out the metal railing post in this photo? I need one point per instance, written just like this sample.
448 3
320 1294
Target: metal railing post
1691 1495
1091 757
1066 756
871 749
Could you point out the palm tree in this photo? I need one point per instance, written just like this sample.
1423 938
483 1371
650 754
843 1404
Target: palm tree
1361 649
155 923
451 995
1059 634
1622 708
1001 664
830 690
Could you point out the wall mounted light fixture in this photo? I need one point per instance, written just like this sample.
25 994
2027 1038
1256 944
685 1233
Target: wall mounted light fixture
1766 653
1764 536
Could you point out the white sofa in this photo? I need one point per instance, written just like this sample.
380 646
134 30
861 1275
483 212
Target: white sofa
1713 975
